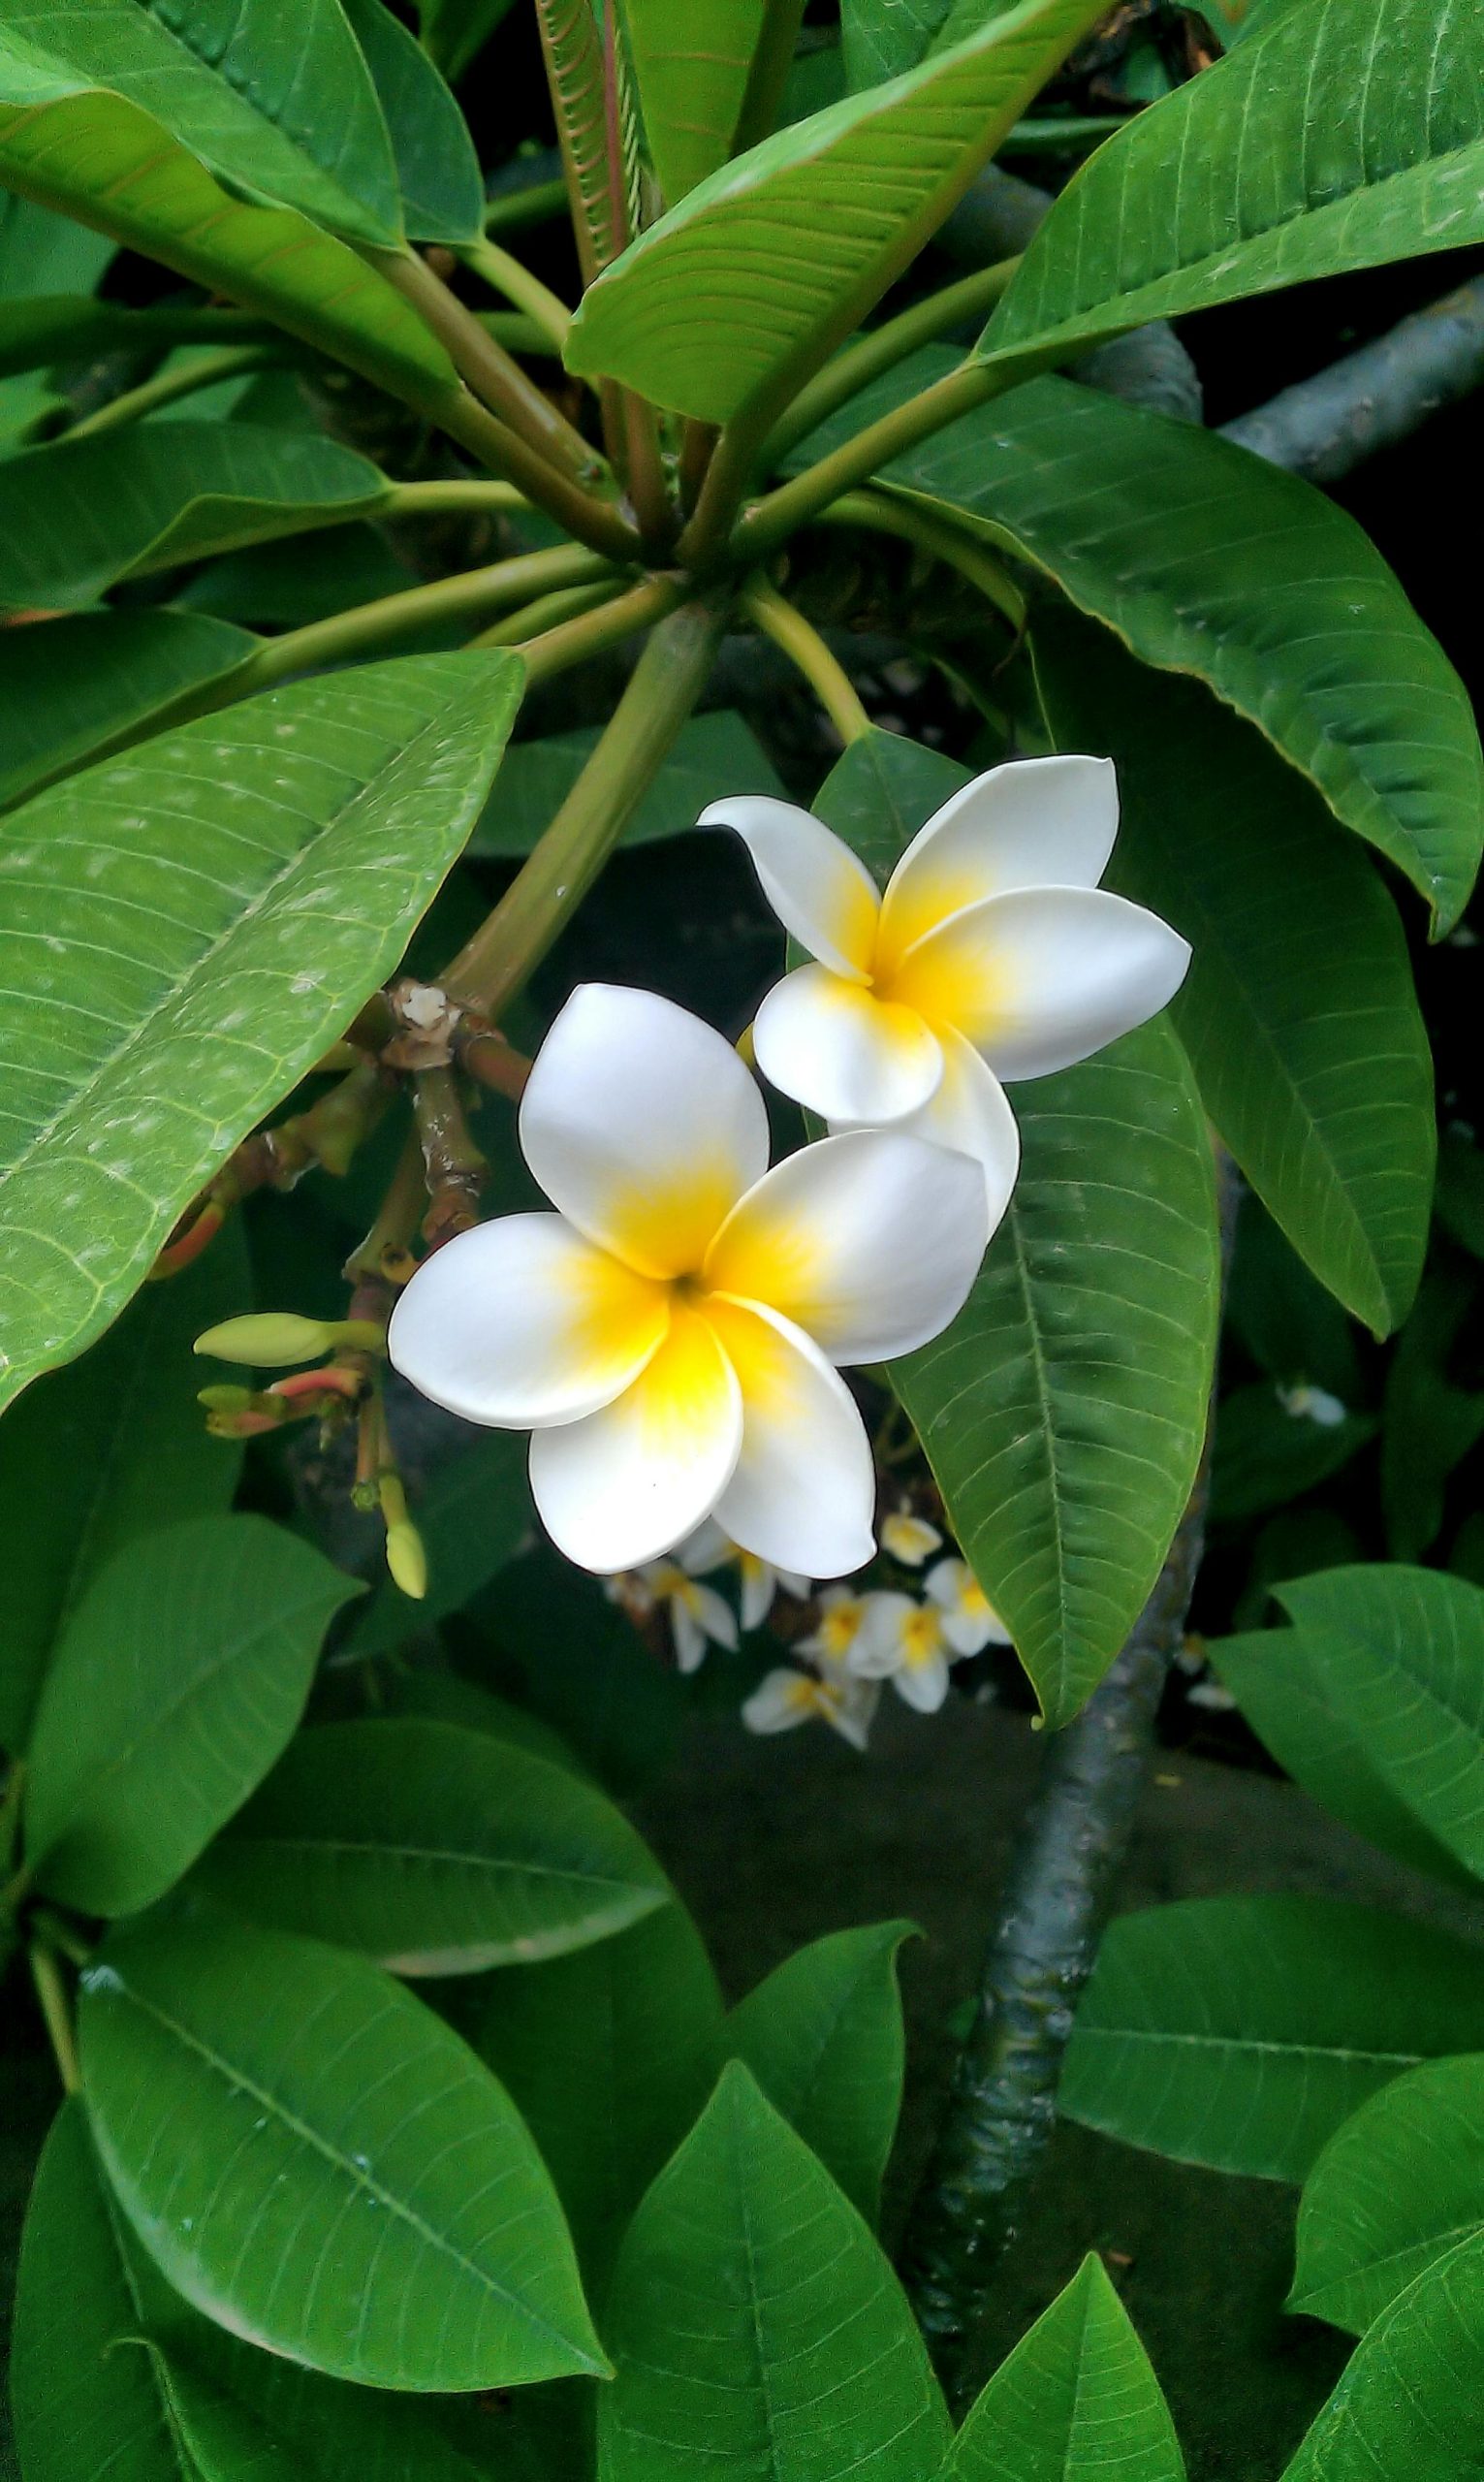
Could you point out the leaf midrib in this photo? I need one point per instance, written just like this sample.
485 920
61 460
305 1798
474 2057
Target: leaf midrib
362 1847
1247 2043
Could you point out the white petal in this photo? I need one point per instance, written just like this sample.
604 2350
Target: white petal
968 1633
690 1637
911 1540
633 1480
1044 976
707 1549
970 1114
520 1322
868 1242
923 1685
759 1585
839 1050
879 1648
640 1122
782 1700
814 883
715 1618
803 1491
1034 823
849 1707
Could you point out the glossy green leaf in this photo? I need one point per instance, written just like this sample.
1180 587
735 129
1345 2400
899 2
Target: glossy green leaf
434 1849
881 791
1410 2402
748 283
474 1515
315 2160
279 103
1318 144
1266 1453
454 30
714 755
823 2036
757 2326
240 2416
448 1697
1396 2188
690 82
1430 1423
78 516
1399 1654
262 868
1299 1010
103 1451
1284 1695
68 686
575 1662
1240 2032
41 253
609 2053
1076 2400
881 37
437 171
1292 1325
1208 560
174 1687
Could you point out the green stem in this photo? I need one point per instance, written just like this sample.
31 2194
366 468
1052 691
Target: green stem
939 538
168 387
545 613
783 511
883 348
506 276
495 379
577 641
663 689
1048 136
52 1991
805 648
458 495
587 519
536 205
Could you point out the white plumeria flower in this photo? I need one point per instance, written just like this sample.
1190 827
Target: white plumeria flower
758 1581
911 1540
907 1644
992 954
698 1616
842 1616
668 1335
783 1698
1311 1404
970 1621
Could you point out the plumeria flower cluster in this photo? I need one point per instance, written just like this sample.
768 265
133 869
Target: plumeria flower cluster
864 1639
700 1616
672 1331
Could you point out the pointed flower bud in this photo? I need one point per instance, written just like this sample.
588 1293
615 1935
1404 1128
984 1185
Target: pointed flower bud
270 1339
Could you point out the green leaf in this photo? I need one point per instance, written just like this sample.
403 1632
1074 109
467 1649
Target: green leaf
174 1687
609 2053
78 516
881 791
280 104
474 1515
101 1452
755 2323
443 191
881 37
454 30
259 868
690 88
1240 2032
434 1849
1398 2185
1299 1011
67 687
714 755
1313 147
447 1697
1429 1424
581 1667
1208 560
1076 2400
316 2161
1400 1656
70 143
684 315
1265 1457
1292 1325
1411 2402
41 253
823 2037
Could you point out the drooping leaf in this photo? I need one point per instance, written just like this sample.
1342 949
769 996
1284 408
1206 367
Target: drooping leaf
609 2053
174 1686
1400 2185
714 755
823 2036
101 1452
315 2160
1318 144
278 103
1266 1454
691 83
273 860
1076 2401
434 1849
755 2323
437 171
1206 559
1240 2032
1411 2397
474 1516
78 516
753 278
68 686
1299 1011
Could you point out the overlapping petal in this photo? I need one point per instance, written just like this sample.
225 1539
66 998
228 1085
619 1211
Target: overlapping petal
816 886
1034 822
869 1241
643 1126
970 1114
624 1485
1043 976
838 1049
802 1492
522 1322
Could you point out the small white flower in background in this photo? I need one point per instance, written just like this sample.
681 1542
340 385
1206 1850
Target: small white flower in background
668 1335
907 1644
841 1617
699 1617
970 1621
992 954
911 1540
758 1581
783 1698
1312 1405
1212 1695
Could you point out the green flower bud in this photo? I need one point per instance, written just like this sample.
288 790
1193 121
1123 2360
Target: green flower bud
406 1558
272 1339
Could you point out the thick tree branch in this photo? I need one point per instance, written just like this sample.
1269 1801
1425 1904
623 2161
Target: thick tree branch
1328 425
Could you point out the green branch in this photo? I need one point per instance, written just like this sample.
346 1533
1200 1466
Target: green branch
797 638
169 387
883 348
938 537
505 274
52 1992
